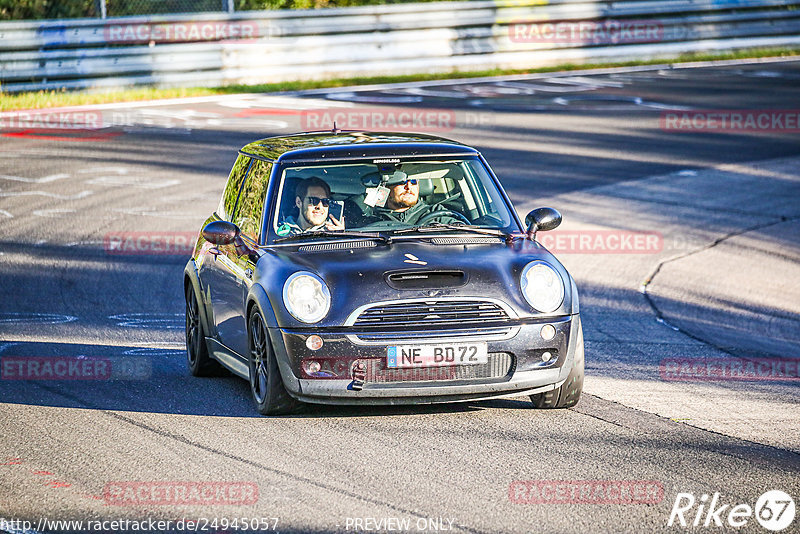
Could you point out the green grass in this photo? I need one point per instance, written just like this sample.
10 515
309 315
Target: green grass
47 99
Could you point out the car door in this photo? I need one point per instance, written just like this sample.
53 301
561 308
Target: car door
218 274
248 217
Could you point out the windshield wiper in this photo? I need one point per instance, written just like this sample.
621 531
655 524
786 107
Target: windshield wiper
330 233
464 227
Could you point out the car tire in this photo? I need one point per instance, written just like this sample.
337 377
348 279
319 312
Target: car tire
200 362
266 384
568 394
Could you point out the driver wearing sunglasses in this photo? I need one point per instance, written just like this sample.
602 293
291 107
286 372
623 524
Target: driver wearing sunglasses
403 196
405 205
313 199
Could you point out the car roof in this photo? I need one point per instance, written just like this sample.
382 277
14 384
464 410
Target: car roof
348 145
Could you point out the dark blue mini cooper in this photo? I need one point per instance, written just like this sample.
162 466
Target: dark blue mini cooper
379 268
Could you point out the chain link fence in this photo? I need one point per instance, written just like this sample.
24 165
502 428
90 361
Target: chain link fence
42 9
122 8
76 9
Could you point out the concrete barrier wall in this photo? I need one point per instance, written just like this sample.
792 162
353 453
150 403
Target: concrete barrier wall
275 46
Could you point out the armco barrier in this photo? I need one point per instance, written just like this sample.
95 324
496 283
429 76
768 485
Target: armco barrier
274 46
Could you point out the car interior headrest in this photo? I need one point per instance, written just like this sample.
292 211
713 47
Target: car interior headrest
425 187
288 207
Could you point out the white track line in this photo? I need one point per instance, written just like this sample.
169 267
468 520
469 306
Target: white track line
403 85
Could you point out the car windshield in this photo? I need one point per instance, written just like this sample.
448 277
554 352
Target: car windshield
320 199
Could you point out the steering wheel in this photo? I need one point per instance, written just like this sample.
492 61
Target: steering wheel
425 219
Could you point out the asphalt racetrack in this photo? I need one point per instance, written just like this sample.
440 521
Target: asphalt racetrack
713 277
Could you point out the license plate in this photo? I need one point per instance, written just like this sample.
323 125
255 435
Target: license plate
404 356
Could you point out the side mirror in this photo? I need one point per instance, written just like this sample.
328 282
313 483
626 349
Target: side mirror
544 219
220 232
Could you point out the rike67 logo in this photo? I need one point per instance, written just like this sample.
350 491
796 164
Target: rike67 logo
774 510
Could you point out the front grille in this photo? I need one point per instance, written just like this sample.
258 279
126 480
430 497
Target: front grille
483 334
455 313
499 366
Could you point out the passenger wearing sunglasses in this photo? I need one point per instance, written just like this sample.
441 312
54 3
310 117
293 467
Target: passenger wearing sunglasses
312 198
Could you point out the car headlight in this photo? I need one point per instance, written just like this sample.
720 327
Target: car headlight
306 297
542 286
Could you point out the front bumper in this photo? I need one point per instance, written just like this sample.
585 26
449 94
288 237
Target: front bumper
516 364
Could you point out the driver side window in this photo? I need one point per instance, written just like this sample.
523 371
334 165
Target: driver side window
251 200
228 202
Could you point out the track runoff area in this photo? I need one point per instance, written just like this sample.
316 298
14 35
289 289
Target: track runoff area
679 190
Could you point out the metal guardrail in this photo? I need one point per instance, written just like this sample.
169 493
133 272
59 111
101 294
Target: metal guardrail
263 47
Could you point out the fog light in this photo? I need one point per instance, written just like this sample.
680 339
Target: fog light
314 342
312 367
548 332
546 356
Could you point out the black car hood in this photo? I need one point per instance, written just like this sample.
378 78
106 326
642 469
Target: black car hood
367 272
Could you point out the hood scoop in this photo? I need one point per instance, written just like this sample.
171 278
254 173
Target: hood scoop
425 279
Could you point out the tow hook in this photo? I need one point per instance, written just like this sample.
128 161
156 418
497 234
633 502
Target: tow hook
359 374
